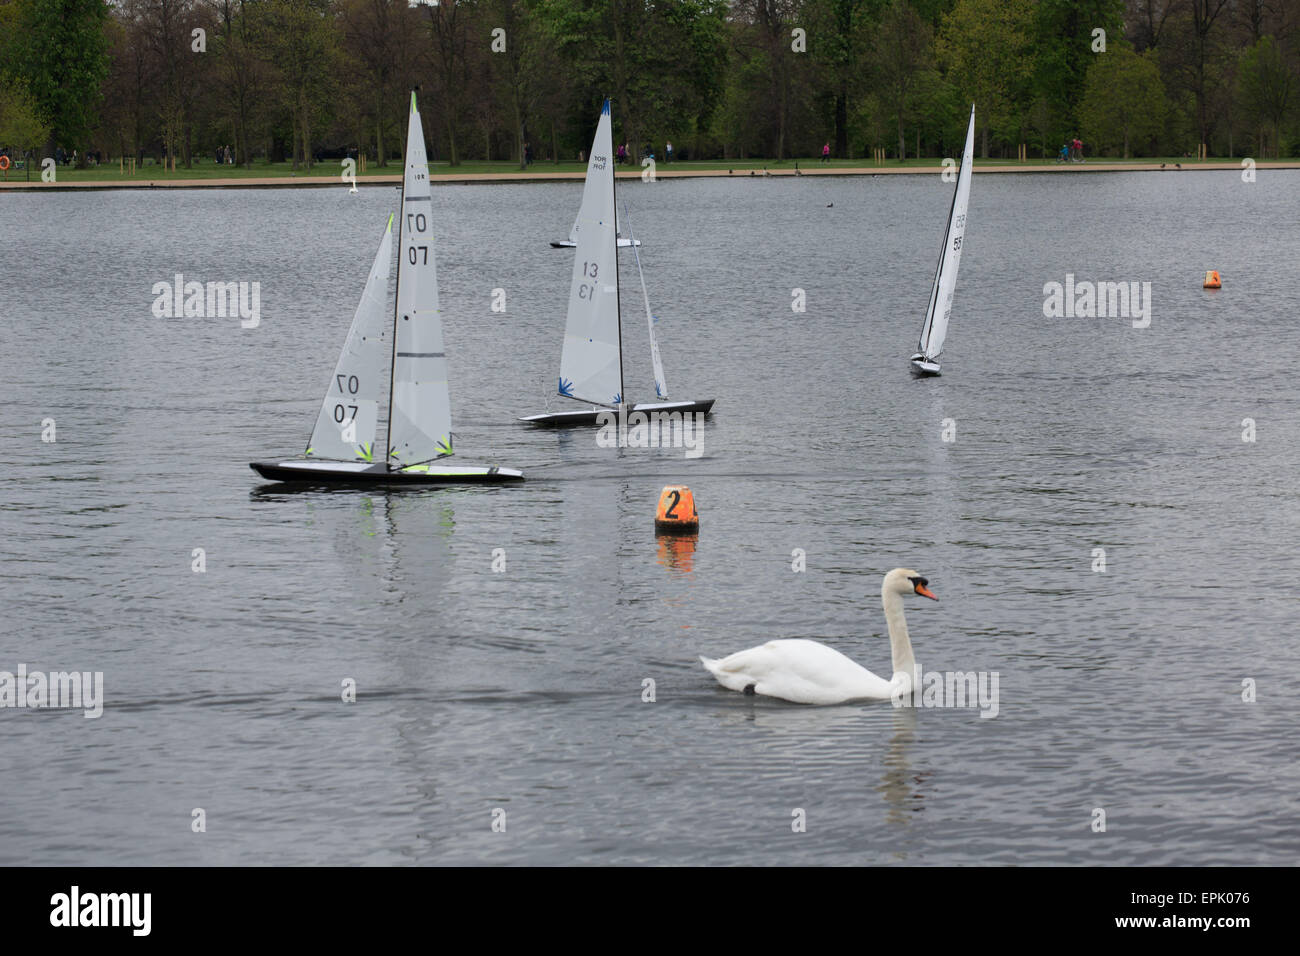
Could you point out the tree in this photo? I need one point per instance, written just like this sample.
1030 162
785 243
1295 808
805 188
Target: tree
165 27
21 127
1123 99
302 46
513 67
379 35
1065 46
842 41
63 54
987 47
1268 85
449 26
902 55
770 69
241 77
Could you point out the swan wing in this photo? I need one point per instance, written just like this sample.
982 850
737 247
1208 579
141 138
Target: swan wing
802 671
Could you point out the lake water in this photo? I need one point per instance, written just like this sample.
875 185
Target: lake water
522 690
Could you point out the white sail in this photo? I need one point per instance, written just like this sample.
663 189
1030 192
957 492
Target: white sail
935 328
419 426
349 415
618 229
591 366
661 384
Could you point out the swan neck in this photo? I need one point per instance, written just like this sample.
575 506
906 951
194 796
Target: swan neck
899 643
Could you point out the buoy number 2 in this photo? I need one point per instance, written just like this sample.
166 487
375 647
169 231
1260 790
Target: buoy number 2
672 508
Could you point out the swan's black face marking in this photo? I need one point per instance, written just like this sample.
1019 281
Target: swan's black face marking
919 586
749 690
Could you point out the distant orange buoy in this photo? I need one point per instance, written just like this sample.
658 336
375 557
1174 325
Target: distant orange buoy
1212 280
676 512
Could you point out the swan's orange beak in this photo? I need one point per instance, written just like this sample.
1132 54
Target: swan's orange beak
922 590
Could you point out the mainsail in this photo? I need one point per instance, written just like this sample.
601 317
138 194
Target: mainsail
419 425
935 327
618 226
349 415
591 367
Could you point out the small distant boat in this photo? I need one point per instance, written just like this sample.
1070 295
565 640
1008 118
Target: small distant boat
572 241
591 364
342 445
935 328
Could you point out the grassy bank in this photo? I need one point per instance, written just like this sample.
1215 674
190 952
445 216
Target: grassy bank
208 173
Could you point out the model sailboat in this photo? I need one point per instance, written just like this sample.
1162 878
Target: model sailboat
342 446
935 328
572 241
591 364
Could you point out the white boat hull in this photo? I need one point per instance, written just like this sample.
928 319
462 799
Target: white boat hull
589 416
924 366
364 473
570 244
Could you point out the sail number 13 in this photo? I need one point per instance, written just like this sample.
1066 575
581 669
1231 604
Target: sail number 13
588 289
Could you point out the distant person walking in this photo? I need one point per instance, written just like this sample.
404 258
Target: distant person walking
826 153
668 153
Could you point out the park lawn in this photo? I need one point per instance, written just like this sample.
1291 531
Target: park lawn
204 170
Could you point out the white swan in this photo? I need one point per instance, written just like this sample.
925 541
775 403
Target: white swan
808 672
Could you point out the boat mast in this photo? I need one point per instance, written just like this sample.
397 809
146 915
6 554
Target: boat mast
401 231
618 296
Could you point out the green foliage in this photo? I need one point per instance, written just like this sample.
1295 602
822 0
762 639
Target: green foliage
21 127
719 78
1268 87
1123 100
987 46
62 52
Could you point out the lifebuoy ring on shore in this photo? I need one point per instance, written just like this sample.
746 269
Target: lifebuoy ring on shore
4 163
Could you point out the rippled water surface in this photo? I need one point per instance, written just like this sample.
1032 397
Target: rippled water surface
523 690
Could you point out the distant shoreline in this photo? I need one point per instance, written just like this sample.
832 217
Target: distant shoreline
276 182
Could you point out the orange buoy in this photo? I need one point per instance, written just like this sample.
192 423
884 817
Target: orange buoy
4 162
676 512
1212 280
